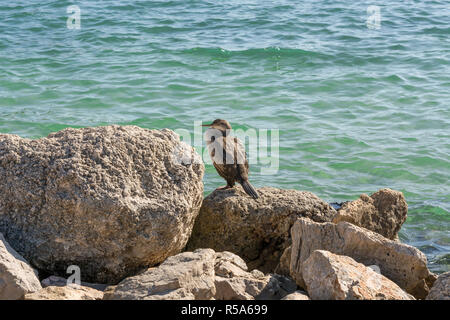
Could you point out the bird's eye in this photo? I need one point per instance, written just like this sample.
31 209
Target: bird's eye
213 138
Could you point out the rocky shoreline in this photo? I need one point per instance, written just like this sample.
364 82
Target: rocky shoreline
114 203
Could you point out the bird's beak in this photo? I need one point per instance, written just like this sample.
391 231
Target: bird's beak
207 125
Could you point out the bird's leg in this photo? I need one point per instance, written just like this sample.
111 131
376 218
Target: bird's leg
228 186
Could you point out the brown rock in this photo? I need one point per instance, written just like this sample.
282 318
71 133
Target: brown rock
441 288
200 275
256 230
111 200
401 263
383 212
243 287
252 285
185 276
71 292
333 277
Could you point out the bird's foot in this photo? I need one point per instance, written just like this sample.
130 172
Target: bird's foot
225 187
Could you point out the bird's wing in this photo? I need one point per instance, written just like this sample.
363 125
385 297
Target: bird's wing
221 169
240 159
234 151
239 151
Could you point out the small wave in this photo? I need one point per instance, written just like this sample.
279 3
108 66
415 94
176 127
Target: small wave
255 52
436 30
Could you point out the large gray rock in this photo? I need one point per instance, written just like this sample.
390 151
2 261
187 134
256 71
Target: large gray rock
201 275
383 212
441 288
17 278
333 277
111 200
401 263
255 230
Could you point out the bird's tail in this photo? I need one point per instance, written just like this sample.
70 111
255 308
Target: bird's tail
248 188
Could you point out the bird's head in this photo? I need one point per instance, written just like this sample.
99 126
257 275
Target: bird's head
219 124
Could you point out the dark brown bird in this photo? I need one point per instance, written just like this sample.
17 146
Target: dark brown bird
228 156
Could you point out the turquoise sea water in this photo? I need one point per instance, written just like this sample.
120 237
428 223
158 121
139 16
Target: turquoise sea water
358 109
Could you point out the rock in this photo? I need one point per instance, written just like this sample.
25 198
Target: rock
401 263
111 200
441 288
252 285
278 287
202 275
186 276
56 281
17 277
233 282
109 291
285 261
383 212
65 293
297 295
256 230
244 287
333 277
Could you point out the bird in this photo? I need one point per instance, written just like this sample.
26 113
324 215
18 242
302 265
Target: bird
228 156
